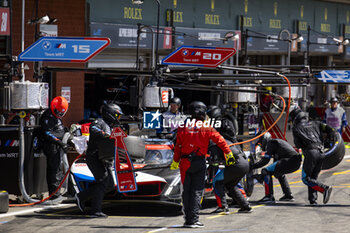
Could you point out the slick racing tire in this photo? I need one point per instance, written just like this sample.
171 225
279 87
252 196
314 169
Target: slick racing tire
335 154
248 179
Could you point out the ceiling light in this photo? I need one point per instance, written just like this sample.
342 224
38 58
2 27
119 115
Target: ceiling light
44 20
300 39
137 2
337 40
235 37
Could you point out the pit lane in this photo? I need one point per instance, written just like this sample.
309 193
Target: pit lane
136 216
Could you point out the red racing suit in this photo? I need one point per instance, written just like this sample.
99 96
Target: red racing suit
190 150
192 139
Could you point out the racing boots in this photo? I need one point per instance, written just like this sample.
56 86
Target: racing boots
224 210
193 225
80 203
267 199
327 194
245 209
98 215
287 198
199 224
313 203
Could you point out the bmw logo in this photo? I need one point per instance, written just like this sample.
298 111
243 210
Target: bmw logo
46 45
185 53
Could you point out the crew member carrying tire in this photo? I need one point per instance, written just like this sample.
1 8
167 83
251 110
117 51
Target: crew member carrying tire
308 136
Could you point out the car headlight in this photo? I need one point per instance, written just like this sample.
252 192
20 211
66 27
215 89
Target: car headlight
158 156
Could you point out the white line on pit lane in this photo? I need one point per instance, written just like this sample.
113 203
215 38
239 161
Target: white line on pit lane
32 210
165 228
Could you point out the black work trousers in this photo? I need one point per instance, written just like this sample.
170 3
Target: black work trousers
103 182
279 168
193 188
232 175
311 169
54 174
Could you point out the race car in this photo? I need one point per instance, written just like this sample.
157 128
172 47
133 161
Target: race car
151 161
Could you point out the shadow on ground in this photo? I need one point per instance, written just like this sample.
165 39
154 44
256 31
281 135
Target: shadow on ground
111 208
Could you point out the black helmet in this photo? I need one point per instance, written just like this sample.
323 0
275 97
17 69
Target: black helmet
297 115
111 113
294 113
264 140
214 111
334 99
175 100
198 110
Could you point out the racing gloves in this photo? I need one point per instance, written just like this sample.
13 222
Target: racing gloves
174 165
106 134
63 145
230 159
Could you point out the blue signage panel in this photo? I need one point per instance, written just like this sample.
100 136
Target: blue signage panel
334 76
64 49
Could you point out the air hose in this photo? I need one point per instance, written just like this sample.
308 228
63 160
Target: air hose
66 175
289 99
252 139
279 117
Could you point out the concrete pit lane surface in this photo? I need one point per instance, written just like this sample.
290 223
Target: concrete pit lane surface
144 216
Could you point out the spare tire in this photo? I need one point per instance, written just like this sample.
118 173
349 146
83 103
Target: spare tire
335 154
248 179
